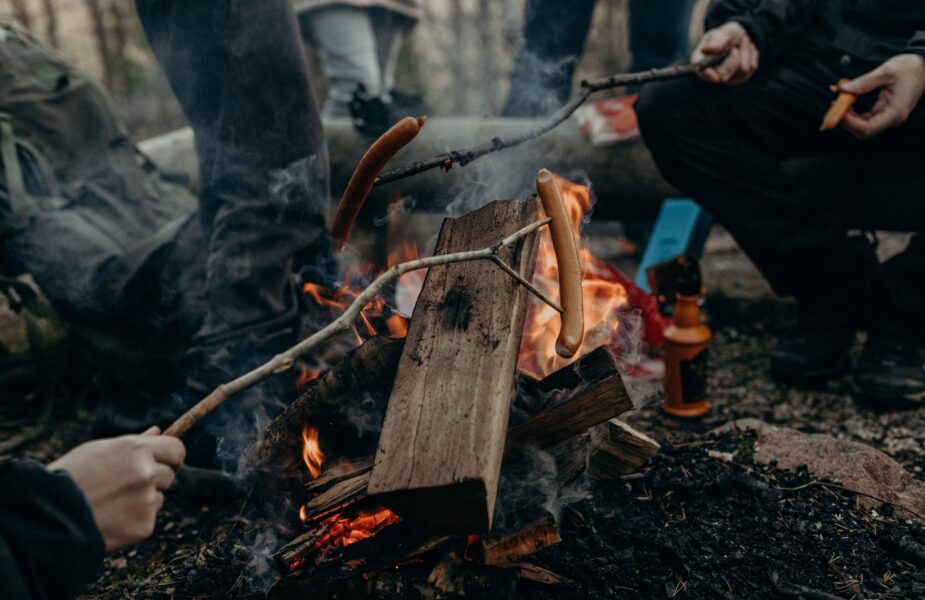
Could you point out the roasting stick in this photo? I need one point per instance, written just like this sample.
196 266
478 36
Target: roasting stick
572 329
284 360
361 183
464 156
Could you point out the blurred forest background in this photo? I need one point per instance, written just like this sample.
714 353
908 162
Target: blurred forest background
459 56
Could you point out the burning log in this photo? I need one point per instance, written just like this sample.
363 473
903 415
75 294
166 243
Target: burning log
442 441
340 473
340 494
594 392
364 374
622 452
502 550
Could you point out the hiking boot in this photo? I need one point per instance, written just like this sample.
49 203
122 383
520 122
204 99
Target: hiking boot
891 369
817 348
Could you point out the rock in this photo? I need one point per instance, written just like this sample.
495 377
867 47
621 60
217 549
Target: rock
851 464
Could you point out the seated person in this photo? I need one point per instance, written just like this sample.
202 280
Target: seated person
358 43
722 139
56 522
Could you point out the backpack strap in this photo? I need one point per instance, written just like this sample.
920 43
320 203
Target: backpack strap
20 207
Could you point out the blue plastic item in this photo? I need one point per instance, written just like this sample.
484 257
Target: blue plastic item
682 227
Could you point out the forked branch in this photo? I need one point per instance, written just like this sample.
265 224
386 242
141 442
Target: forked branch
284 360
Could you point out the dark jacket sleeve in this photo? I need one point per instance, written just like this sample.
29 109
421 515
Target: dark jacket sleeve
917 44
771 24
49 544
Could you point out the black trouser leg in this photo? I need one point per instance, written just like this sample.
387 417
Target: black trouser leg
725 146
239 73
554 38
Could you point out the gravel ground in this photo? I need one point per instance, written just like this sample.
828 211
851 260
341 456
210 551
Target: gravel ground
207 549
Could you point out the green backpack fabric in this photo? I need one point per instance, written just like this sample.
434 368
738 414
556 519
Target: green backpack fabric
116 248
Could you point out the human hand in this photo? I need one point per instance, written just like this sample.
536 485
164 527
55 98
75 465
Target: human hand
124 479
743 58
901 81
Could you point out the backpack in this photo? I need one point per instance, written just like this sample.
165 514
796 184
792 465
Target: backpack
115 247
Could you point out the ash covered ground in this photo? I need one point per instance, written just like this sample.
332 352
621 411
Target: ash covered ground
702 520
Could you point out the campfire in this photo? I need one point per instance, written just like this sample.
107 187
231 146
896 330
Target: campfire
384 495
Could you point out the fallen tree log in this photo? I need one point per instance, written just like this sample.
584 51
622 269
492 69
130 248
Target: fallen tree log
624 176
442 440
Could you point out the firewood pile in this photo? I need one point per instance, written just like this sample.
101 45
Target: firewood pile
462 462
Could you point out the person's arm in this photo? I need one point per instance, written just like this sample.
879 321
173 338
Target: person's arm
50 546
57 522
770 24
901 83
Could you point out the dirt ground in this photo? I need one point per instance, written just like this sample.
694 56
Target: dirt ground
690 526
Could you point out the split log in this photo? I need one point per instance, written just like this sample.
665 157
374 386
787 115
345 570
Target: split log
339 473
594 392
537 574
340 494
356 385
623 451
442 441
501 550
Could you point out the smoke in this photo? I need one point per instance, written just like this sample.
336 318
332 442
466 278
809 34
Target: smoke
540 481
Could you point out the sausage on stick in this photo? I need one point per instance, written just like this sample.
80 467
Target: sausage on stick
378 155
572 330
840 107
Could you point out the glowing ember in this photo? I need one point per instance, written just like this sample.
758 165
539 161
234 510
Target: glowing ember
344 530
311 451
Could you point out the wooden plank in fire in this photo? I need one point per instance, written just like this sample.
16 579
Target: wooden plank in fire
442 440
599 395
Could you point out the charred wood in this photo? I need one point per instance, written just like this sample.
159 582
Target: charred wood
442 441
623 451
501 550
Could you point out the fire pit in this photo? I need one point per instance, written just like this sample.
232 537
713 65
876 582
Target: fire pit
472 381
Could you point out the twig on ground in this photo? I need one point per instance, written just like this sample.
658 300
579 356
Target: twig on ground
825 484
284 360
464 156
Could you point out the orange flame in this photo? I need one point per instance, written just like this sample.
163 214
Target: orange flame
602 297
311 451
306 376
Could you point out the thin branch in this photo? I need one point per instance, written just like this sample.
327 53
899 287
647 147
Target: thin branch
284 360
522 281
465 156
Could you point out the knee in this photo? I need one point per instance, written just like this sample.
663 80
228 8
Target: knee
661 111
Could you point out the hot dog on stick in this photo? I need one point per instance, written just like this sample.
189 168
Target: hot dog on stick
572 330
378 155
